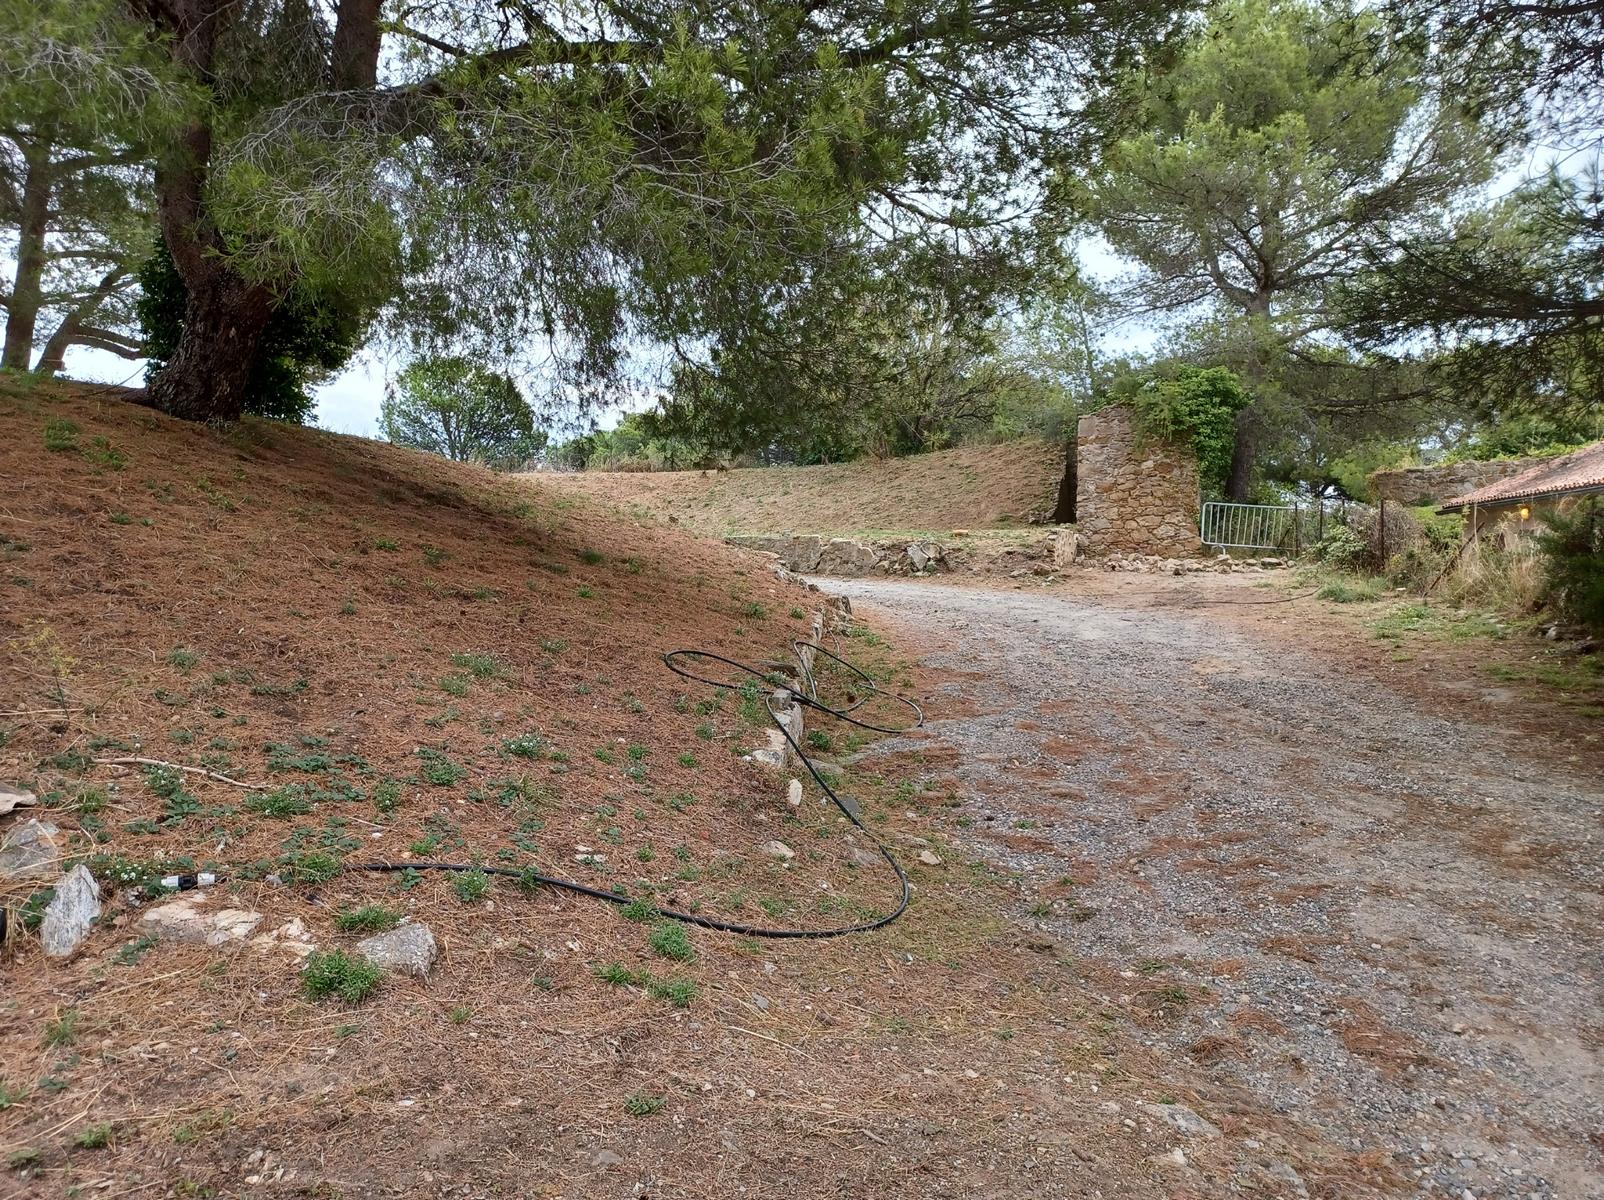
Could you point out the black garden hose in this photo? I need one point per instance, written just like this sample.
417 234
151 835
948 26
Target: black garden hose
806 696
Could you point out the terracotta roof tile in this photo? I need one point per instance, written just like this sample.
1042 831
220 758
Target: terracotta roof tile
1579 471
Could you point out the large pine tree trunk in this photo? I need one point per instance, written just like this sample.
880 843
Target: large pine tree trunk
1239 483
22 315
224 319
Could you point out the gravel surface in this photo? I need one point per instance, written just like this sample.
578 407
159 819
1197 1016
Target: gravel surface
1386 920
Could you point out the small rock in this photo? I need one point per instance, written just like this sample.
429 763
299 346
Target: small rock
409 949
292 937
793 793
15 797
778 849
1284 1173
30 851
70 913
762 1002
1183 1119
606 1158
1170 1158
188 920
930 858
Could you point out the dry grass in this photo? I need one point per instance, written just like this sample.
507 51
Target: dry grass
973 487
301 610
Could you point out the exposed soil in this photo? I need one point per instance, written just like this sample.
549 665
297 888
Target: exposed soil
424 659
972 487
1365 883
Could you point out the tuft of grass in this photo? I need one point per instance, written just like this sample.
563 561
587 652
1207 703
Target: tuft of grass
616 973
454 685
526 745
678 992
459 1014
336 973
63 1030
480 666
638 910
61 436
642 1105
1352 591
281 802
669 940
94 1137
370 918
183 658
470 886
593 558
438 769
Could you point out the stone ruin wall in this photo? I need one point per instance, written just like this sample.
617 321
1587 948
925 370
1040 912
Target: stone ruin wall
1414 486
1130 497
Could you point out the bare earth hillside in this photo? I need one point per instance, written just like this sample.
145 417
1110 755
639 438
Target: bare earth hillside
973 487
410 660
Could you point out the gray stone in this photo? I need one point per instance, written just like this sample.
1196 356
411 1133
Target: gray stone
1284 1173
762 1002
606 1158
71 913
409 949
191 918
15 797
30 851
779 850
843 556
929 858
793 793
1183 1120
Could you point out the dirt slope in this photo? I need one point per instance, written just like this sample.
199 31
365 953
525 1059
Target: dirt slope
423 659
974 487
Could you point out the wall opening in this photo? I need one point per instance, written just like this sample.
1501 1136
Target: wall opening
1064 512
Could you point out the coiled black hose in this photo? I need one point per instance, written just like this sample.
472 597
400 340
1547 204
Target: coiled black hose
806 696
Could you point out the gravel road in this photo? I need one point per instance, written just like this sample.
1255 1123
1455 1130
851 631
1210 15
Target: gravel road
1385 913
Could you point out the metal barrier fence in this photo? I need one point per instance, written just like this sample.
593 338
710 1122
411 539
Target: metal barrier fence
1287 528
1250 526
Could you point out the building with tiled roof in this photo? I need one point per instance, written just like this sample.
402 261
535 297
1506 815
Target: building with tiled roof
1555 483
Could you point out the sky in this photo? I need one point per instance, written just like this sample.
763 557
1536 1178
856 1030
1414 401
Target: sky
350 402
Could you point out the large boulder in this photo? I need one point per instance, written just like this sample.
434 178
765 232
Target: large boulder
843 556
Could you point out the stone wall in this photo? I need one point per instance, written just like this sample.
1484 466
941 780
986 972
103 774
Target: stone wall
1130 497
1414 486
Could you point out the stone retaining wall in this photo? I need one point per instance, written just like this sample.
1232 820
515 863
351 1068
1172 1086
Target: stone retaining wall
1131 497
1414 486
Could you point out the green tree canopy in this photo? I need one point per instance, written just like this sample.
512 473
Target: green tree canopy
82 95
462 411
1290 135
595 178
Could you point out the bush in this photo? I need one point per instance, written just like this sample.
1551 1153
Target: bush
336 973
1573 560
311 335
1342 548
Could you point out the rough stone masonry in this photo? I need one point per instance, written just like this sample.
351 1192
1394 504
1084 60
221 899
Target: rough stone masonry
1131 496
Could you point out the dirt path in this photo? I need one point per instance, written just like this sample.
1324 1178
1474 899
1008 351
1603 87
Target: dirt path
1392 906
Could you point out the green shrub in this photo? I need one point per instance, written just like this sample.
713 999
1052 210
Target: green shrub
1342 547
669 940
336 973
1573 559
